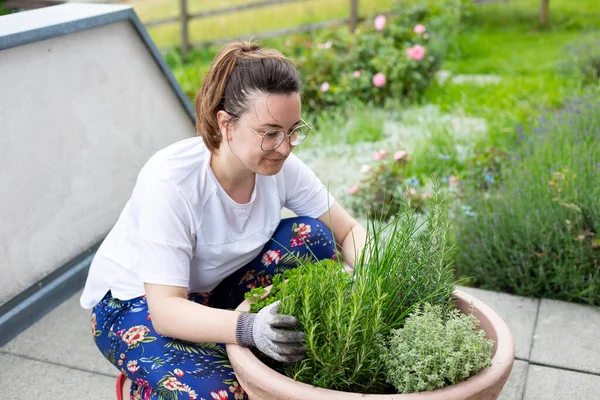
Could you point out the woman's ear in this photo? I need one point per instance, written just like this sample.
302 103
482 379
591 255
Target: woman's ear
223 120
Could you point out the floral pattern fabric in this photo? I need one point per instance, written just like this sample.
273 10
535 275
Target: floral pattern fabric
162 367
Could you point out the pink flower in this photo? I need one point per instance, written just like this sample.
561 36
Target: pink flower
324 87
141 382
379 79
411 193
133 366
379 22
222 395
399 155
172 384
179 373
453 181
353 190
288 43
356 74
380 154
426 36
419 29
416 52
271 256
135 335
426 196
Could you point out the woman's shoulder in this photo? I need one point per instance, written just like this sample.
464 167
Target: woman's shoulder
184 164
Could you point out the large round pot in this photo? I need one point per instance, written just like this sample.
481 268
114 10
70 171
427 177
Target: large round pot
263 383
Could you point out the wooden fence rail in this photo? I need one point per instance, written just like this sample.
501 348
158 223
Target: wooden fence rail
185 17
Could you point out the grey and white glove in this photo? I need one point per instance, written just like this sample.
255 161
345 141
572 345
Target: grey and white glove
262 330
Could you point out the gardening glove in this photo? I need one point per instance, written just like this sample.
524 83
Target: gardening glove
262 330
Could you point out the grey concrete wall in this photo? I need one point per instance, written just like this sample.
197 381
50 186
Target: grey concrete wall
79 115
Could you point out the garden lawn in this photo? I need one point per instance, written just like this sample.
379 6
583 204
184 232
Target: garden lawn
505 40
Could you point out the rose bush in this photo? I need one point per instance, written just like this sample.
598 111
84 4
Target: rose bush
386 58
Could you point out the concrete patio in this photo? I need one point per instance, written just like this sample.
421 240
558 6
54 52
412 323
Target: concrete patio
557 351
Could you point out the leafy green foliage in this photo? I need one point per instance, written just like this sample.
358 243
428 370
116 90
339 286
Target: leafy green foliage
435 349
385 186
538 234
583 58
344 318
337 66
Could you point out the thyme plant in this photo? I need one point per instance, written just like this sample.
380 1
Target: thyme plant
433 350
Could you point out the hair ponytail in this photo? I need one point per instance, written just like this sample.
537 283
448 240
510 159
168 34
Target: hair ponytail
226 87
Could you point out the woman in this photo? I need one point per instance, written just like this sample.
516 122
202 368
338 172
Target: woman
203 226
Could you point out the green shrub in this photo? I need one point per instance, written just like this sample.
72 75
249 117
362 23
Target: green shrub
583 58
406 263
434 350
385 186
539 234
373 65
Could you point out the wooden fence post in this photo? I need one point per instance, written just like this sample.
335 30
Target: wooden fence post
544 19
353 14
185 18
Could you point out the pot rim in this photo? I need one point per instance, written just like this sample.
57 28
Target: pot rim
501 363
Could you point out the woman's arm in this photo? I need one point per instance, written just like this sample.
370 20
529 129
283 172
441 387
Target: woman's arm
175 316
349 234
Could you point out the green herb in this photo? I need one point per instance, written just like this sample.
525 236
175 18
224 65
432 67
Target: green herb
432 351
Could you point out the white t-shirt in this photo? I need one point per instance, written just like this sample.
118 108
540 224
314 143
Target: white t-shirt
181 228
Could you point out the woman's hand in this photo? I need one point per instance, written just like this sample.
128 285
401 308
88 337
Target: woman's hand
263 331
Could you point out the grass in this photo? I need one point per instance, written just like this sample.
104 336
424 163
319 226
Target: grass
244 22
505 40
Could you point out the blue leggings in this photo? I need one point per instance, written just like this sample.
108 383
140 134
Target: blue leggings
162 367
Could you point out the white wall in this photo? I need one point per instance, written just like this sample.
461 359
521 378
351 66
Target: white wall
79 116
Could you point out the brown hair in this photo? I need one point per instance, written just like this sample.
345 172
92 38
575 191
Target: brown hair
240 69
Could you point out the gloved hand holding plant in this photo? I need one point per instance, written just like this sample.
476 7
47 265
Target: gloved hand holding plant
264 331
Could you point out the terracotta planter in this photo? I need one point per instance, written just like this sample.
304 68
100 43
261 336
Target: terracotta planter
264 383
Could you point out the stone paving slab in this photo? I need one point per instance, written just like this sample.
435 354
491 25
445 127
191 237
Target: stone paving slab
62 337
519 313
567 336
22 378
515 386
545 383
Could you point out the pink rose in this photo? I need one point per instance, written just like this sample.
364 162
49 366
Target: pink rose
379 79
419 29
353 190
380 22
416 52
356 74
324 87
380 154
399 155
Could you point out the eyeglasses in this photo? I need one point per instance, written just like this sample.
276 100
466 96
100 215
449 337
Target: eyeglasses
270 140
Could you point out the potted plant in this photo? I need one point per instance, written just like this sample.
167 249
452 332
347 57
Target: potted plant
358 328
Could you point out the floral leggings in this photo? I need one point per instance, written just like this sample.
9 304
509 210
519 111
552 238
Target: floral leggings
162 367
